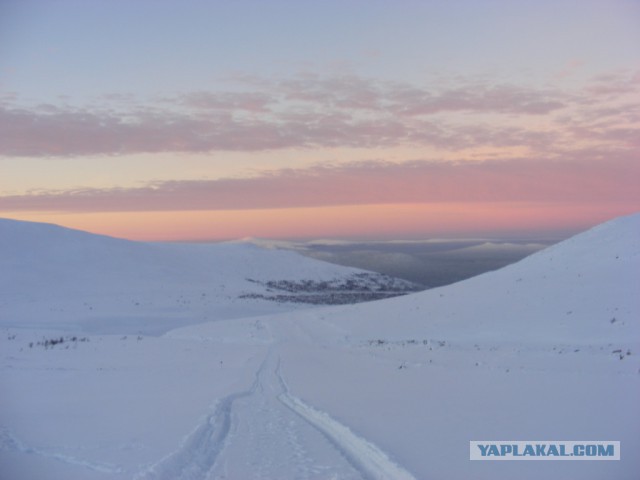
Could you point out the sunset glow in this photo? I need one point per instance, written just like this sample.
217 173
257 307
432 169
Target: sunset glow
284 120
391 221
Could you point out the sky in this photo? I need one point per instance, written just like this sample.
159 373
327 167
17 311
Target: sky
365 119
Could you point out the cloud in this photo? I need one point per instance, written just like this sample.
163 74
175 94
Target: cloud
73 133
352 92
570 69
614 84
58 132
583 180
228 101
345 92
306 112
310 111
483 99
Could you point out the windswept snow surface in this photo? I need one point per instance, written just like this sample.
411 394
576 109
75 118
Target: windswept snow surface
545 349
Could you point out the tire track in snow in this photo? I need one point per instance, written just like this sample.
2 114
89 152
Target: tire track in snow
364 456
200 456
198 453
200 450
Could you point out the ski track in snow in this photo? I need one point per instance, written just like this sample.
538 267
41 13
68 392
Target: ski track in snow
9 442
266 433
369 460
198 453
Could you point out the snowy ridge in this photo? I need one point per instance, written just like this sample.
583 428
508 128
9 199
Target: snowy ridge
582 290
54 276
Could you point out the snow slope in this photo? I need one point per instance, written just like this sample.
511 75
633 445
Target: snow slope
548 348
56 277
545 349
582 290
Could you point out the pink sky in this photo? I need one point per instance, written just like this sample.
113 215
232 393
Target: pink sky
384 221
413 122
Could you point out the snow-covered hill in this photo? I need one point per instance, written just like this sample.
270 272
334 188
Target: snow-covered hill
545 349
585 289
58 277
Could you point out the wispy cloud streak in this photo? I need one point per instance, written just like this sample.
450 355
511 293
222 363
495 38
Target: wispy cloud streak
523 180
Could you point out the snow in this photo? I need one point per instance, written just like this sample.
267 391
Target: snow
54 276
548 348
